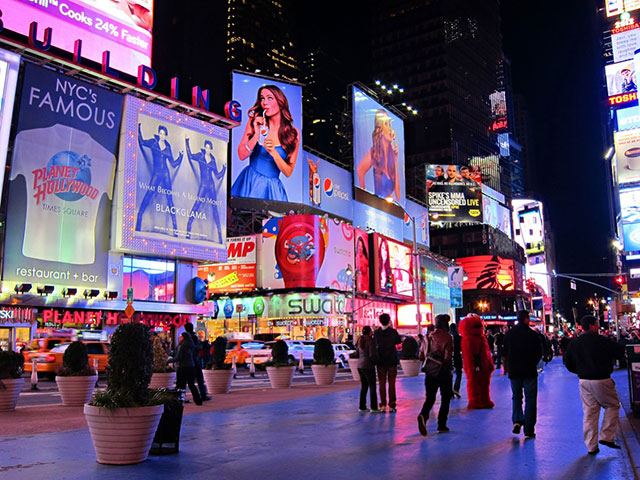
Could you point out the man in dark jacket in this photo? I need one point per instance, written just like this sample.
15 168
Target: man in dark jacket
386 339
197 347
591 356
457 359
523 350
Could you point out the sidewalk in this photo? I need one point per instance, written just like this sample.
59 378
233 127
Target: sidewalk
316 432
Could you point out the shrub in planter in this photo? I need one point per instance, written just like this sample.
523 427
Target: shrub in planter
164 375
11 368
217 374
75 378
279 369
409 357
324 364
11 365
75 362
279 355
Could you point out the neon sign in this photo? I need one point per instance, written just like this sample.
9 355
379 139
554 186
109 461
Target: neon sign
623 99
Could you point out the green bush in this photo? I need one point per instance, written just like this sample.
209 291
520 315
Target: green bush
11 365
75 361
219 355
409 349
279 355
323 353
160 357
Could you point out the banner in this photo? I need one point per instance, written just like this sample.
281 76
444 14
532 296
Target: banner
9 66
378 148
239 273
61 181
172 176
266 150
454 193
486 272
330 187
393 267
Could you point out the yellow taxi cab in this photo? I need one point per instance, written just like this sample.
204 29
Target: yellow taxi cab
243 350
39 345
49 362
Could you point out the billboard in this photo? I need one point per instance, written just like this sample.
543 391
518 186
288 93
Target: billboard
306 251
393 267
454 193
367 217
416 212
628 118
488 272
627 147
172 186
528 226
630 213
363 260
378 148
9 66
496 215
621 78
330 187
625 40
266 150
121 26
238 274
61 181
618 7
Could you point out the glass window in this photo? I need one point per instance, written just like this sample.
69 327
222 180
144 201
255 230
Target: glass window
152 280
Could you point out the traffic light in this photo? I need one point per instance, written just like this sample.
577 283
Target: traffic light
619 280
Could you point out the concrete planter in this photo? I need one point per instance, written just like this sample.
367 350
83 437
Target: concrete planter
163 380
76 391
324 374
280 377
410 368
353 366
122 436
9 394
218 381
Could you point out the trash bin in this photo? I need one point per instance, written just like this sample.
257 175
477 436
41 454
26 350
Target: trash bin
633 368
167 437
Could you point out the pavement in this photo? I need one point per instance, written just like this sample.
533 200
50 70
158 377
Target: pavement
316 432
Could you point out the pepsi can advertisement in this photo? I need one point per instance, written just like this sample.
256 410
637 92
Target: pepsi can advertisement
330 187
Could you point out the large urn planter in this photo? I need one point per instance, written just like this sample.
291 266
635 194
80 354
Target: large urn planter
410 368
280 377
324 374
122 436
9 394
353 366
163 380
76 390
218 381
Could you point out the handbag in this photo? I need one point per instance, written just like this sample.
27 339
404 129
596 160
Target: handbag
433 362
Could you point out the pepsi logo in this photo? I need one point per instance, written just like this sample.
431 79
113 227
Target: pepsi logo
328 187
316 181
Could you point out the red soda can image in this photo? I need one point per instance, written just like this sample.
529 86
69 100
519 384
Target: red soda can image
300 249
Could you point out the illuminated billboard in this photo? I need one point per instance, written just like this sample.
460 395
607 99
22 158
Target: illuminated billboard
238 274
306 251
625 40
528 226
363 260
454 193
630 213
628 118
618 7
172 185
367 217
122 27
266 150
627 148
9 66
378 148
329 186
419 214
498 102
61 181
393 267
621 78
496 215
488 272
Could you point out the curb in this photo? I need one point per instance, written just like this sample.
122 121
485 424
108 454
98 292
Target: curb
631 444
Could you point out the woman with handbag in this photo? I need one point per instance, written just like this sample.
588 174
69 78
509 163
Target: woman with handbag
367 355
436 353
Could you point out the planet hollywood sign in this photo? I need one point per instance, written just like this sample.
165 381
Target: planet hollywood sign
96 317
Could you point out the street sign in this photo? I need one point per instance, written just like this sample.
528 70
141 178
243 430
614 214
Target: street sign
572 284
252 318
130 294
455 276
129 311
456 297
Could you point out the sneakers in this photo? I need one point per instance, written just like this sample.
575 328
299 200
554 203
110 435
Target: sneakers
516 428
376 410
422 426
444 429
609 444
393 409
594 452
456 394
363 410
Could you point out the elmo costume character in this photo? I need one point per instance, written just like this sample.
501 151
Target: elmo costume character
477 362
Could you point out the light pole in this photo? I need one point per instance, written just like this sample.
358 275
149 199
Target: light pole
353 273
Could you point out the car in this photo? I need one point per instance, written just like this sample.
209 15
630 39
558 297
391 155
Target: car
40 345
49 362
342 351
244 350
304 347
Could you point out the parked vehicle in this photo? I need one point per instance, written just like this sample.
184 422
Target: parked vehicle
48 362
304 347
342 352
243 350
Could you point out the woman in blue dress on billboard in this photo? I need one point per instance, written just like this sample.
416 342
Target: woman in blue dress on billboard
271 143
383 157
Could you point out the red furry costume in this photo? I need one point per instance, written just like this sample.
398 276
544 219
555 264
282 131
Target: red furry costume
475 353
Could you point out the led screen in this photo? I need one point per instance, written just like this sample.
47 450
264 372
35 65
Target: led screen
393 267
621 77
9 66
618 7
121 26
625 41
419 214
487 272
172 179
238 274
630 213
628 118
530 229
329 186
378 148
363 260
371 218
496 215
266 150
61 181
627 147
454 193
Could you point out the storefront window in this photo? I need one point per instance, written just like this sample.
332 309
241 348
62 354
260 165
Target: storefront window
151 280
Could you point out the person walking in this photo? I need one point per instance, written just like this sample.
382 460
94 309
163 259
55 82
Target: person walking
457 359
522 349
186 367
438 344
197 348
499 343
386 339
591 356
367 370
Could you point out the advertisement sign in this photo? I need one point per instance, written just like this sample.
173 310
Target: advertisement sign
630 213
306 251
415 211
625 40
628 118
496 215
172 178
454 193
123 27
367 217
621 78
363 260
528 226
393 267
9 66
378 148
627 146
266 150
368 312
407 315
239 273
434 276
487 272
61 181
330 187
618 7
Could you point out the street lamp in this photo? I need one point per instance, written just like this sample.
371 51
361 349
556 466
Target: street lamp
353 273
416 270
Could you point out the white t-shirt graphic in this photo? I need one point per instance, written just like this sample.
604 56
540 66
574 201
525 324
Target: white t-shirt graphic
66 173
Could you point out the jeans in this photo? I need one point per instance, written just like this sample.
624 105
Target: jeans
456 385
186 375
431 385
368 382
390 374
530 415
